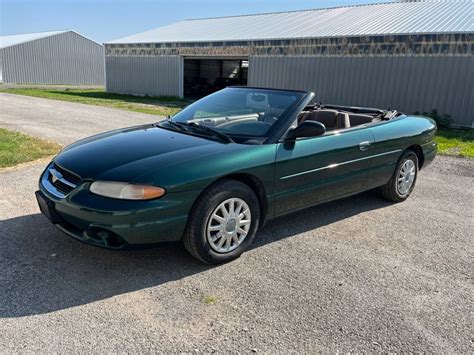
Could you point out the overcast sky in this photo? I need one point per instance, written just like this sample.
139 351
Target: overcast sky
105 20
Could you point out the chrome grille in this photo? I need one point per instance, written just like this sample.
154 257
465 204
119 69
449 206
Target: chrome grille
59 181
73 178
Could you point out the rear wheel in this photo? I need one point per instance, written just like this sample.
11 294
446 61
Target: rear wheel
223 223
403 180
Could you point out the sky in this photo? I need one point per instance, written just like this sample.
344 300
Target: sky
106 20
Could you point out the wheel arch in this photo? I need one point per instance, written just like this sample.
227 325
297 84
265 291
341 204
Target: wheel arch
415 148
253 182
256 186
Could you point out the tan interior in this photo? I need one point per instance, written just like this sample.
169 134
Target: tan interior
334 119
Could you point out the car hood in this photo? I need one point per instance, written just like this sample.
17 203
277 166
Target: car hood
126 154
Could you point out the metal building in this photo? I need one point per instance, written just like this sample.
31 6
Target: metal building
416 56
61 57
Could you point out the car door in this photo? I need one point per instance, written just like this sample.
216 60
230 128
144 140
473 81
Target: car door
389 139
313 170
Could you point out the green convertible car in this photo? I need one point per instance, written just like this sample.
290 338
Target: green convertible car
211 175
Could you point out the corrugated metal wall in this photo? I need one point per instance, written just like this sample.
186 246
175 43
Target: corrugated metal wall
157 76
1 63
407 84
66 58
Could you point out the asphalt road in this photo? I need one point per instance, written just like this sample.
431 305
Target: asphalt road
356 275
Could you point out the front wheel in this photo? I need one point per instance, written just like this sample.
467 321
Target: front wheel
403 180
223 223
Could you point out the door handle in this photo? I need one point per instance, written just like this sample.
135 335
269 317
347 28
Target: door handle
364 145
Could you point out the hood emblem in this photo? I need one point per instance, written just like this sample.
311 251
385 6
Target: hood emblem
55 175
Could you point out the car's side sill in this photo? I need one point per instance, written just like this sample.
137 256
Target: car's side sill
331 199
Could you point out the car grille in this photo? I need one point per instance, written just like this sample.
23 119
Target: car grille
63 180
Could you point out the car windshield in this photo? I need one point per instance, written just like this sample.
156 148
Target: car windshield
239 111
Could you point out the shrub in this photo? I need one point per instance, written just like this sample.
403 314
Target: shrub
443 121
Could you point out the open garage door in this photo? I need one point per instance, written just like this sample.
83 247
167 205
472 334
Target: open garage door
204 76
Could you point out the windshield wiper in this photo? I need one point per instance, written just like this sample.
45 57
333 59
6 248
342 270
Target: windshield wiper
208 130
176 125
187 127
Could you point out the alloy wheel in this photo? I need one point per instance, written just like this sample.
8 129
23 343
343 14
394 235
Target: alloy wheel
406 176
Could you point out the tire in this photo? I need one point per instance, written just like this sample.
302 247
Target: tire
395 191
201 238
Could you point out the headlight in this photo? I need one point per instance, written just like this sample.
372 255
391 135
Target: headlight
126 191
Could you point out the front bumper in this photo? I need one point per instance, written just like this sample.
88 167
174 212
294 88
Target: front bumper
117 224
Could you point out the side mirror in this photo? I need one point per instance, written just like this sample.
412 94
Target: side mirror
307 129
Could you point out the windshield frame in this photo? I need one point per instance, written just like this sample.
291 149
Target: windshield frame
283 120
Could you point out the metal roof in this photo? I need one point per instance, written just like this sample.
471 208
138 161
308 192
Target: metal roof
436 16
8 41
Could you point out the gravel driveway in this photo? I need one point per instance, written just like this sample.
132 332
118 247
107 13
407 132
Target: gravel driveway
359 274
63 122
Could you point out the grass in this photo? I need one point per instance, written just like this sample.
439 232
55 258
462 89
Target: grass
209 299
16 148
456 142
162 106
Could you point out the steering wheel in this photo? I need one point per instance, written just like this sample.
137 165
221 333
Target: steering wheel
269 118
